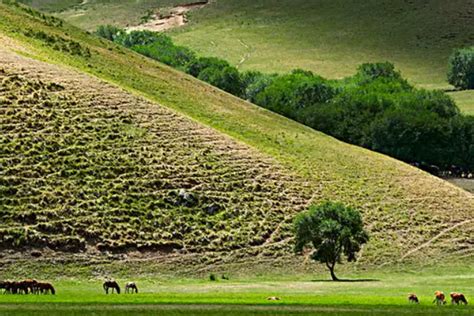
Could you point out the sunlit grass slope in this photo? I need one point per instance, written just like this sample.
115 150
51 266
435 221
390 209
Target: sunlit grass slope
105 162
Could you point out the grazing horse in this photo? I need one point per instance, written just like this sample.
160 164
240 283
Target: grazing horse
4 285
111 284
44 288
131 287
30 284
412 298
18 287
440 299
457 298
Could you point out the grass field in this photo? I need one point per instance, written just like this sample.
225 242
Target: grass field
328 37
368 293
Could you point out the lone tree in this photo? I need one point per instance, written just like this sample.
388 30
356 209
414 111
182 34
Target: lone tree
461 68
333 230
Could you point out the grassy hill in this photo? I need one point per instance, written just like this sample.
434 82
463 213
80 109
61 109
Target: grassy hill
326 36
105 150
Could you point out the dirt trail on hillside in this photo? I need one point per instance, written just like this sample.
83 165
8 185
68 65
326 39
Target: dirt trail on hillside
175 18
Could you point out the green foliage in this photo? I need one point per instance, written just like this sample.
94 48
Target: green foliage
333 230
461 68
166 52
140 38
290 93
109 32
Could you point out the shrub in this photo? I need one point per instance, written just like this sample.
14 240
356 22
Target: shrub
109 32
167 53
461 68
290 93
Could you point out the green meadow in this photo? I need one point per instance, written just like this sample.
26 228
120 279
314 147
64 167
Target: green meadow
362 293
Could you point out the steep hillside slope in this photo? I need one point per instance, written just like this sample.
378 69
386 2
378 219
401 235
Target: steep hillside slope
88 166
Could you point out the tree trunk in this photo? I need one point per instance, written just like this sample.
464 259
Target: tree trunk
333 275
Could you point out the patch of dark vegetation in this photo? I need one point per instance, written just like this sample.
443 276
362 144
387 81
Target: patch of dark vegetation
59 43
376 108
461 68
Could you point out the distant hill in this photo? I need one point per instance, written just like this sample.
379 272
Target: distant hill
104 150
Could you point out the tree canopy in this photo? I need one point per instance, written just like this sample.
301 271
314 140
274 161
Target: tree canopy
334 230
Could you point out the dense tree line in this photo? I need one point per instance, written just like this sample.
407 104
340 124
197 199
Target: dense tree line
376 108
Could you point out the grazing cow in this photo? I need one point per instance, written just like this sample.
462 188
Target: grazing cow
458 298
273 298
113 285
440 298
45 288
412 298
131 287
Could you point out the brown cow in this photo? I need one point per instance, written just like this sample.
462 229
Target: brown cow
412 298
440 298
457 298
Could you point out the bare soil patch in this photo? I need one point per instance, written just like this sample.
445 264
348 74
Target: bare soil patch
175 18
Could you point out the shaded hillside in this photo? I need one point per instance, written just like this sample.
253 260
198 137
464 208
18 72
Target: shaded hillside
90 166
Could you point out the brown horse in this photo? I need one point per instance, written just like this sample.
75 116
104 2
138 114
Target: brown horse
30 284
5 286
457 298
412 298
131 287
111 284
44 288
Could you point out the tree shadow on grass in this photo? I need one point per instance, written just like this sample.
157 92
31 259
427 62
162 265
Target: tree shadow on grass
347 280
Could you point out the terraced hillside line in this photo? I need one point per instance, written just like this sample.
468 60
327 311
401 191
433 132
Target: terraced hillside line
86 166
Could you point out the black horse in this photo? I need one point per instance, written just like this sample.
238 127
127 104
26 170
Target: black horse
131 287
113 285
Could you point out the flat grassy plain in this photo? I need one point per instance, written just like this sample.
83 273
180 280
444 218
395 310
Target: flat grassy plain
368 293
328 37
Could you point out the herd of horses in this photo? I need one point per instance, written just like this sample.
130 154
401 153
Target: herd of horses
27 287
130 287
440 298
31 286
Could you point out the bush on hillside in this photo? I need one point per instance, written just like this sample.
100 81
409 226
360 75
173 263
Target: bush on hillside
218 73
172 55
138 38
290 93
255 82
109 32
461 68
